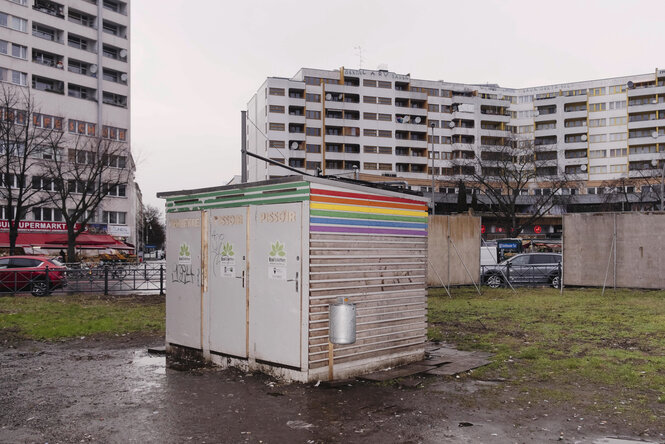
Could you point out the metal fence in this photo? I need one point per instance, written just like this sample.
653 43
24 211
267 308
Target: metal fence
521 275
79 278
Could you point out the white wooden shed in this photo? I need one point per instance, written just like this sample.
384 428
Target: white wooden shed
253 268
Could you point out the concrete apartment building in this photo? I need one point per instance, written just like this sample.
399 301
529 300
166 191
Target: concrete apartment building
386 126
72 56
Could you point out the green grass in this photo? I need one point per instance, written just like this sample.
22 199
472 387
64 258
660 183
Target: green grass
543 340
66 316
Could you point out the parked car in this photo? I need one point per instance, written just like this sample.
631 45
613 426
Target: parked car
526 268
28 273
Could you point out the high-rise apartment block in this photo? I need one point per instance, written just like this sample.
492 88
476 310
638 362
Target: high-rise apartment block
387 127
72 57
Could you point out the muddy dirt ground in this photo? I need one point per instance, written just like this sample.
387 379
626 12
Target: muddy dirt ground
112 390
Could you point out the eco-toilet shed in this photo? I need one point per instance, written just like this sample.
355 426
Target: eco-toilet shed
253 268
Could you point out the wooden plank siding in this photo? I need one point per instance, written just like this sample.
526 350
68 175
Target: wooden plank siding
372 250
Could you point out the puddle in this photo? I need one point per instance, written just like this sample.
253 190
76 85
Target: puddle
156 363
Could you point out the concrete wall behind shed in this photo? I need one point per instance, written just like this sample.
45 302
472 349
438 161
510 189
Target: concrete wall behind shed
637 256
447 258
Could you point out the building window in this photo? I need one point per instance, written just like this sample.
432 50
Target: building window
119 190
369 99
384 101
313 148
385 150
313 97
82 92
13 22
15 77
311 131
276 126
384 84
385 133
312 165
621 104
115 161
276 109
81 18
598 169
79 42
47 214
14 50
595 123
114 99
369 132
276 91
618 152
276 144
369 116
114 29
80 127
370 149
12 180
309 114
368 82
114 76
595 107
619 168
114 217
109 132
43 183
114 52
369 166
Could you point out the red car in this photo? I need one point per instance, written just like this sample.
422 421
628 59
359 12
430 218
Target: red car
28 273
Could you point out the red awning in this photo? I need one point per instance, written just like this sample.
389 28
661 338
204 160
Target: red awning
59 240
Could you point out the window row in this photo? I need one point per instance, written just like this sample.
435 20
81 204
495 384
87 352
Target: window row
55 215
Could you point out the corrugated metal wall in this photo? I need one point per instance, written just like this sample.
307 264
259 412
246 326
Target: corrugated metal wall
372 250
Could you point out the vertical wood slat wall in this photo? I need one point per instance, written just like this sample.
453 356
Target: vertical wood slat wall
372 250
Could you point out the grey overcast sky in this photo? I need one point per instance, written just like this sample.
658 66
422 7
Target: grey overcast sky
196 64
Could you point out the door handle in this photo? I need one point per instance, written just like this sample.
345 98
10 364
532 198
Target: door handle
296 282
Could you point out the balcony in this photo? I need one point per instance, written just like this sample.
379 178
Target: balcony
50 8
83 43
47 59
113 52
46 32
81 18
48 85
82 92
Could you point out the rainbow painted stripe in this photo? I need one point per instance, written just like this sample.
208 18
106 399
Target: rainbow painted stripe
357 213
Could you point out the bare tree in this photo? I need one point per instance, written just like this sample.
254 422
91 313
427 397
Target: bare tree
27 142
503 173
640 192
91 169
154 226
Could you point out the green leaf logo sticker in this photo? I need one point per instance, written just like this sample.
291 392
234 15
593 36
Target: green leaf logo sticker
277 249
184 255
227 250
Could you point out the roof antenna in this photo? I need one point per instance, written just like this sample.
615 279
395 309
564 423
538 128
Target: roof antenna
359 51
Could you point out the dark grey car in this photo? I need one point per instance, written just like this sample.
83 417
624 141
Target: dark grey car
525 269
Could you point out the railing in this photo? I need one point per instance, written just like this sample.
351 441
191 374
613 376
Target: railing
80 278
